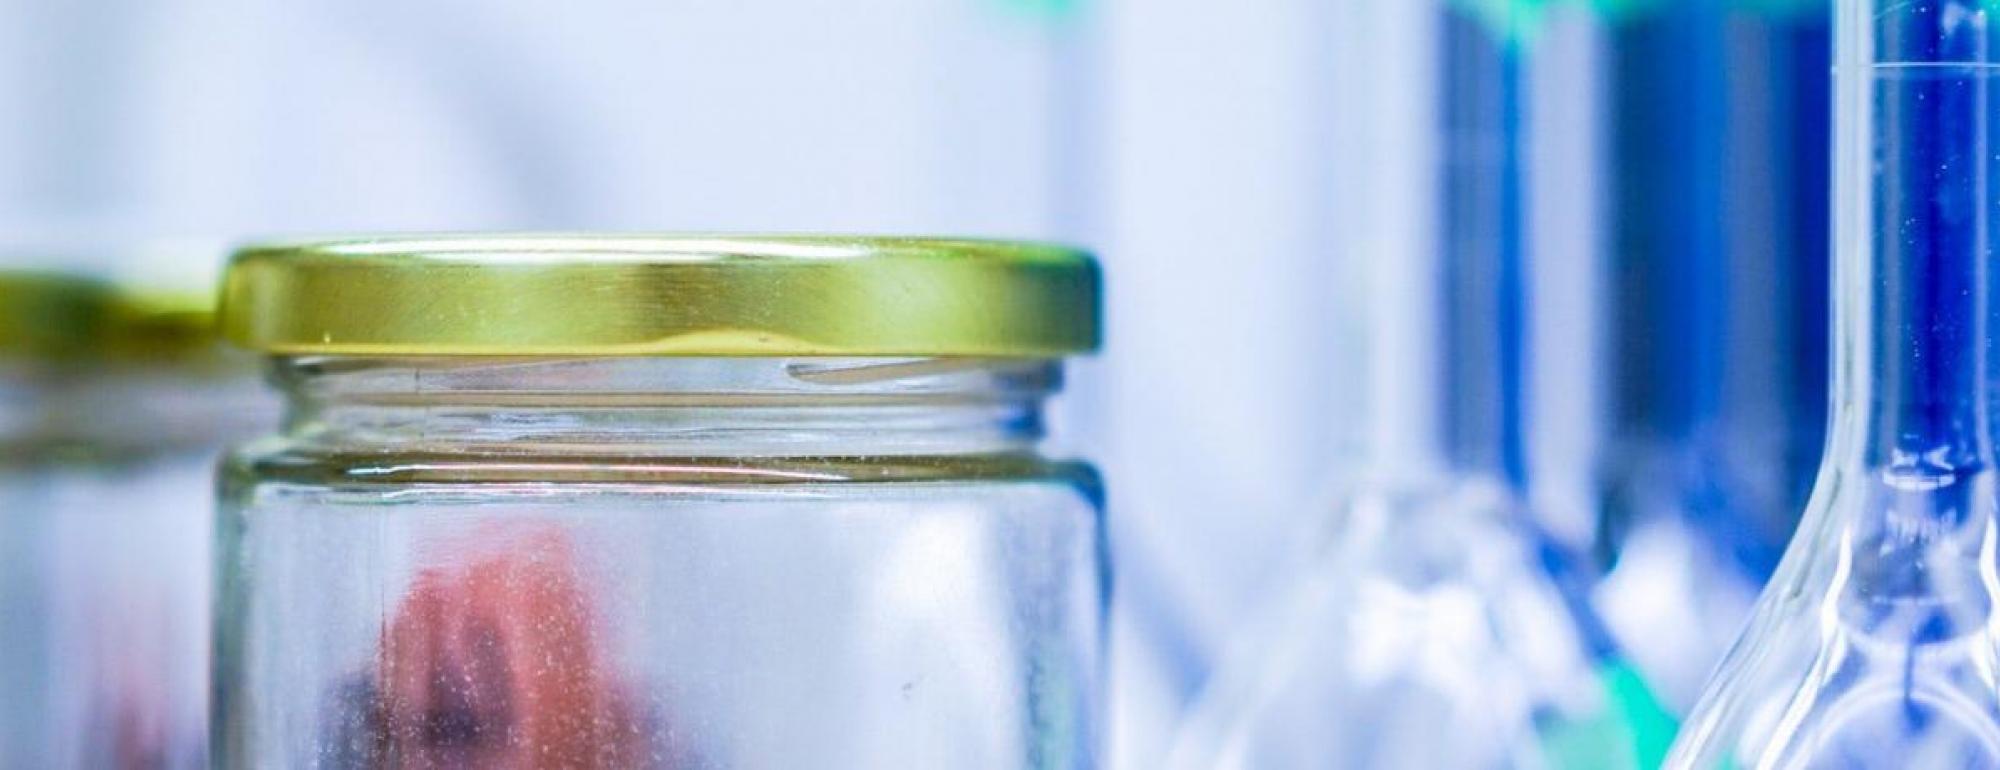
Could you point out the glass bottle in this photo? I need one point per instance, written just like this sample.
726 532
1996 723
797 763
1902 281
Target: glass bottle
114 403
669 502
1874 645
1435 625
1711 297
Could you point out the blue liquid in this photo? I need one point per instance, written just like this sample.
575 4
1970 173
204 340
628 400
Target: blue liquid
1934 169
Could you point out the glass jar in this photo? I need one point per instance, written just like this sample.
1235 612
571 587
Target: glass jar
660 502
113 408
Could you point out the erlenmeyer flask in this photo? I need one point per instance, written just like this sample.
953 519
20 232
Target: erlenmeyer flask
1434 627
1697 502
1877 643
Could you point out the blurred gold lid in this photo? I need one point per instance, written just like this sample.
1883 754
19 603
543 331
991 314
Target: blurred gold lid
58 315
164 324
47 314
661 295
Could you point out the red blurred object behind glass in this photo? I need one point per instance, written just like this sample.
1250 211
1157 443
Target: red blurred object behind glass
500 664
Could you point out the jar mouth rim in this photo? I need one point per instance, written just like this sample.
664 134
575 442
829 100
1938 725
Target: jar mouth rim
662 295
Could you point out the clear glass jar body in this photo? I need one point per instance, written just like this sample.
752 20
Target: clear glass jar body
106 495
655 562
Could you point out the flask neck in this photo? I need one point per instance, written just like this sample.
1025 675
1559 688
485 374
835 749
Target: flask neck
1914 273
1922 387
682 407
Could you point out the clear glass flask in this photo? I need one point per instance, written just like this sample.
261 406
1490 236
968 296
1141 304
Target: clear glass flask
1436 625
1875 644
668 502
116 404
1715 306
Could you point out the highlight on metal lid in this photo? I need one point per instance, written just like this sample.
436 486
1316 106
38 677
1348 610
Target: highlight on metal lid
661 295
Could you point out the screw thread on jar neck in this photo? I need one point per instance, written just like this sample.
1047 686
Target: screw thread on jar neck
735 407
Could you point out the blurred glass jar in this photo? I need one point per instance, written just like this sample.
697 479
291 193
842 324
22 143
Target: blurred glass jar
660 502
113 407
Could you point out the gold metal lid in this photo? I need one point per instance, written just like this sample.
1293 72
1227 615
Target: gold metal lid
166 325
48 315
58 315
661 295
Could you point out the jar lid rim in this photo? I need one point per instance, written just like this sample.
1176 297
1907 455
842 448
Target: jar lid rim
533 294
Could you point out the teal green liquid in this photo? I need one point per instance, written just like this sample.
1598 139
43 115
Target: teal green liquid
1635 724
1045 8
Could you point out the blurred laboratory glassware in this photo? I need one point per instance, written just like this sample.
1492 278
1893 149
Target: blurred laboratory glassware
1228 380
1435 604
1713 310
118 402
1875 642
